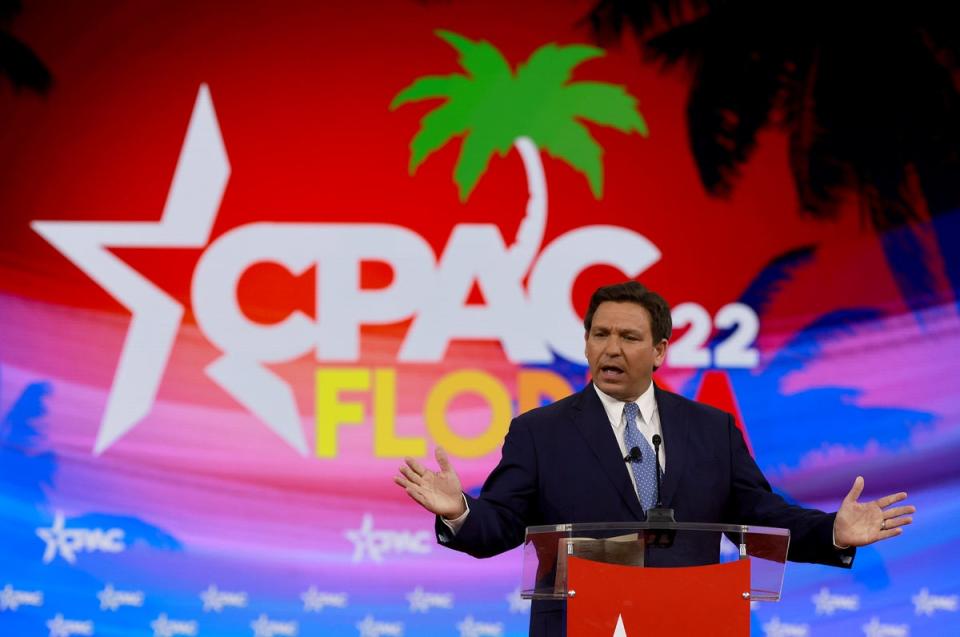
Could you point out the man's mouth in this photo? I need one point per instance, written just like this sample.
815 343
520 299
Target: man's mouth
611 371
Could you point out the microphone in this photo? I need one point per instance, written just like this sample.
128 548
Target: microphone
634 455
662 522
657 441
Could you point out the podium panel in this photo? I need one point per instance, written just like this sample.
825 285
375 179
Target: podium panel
612 600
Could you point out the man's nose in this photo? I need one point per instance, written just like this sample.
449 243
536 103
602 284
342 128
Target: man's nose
612 346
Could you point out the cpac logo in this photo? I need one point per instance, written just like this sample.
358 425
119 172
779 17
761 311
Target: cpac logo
112 599
163 626
370 627
472 628
926 604
828 604
216 600
422 601
68 542
533 320
11 599
60 627
777 628
517 603
876 629
263 626
315 601
376 544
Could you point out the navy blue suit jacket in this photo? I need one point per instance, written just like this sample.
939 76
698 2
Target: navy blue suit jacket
562 463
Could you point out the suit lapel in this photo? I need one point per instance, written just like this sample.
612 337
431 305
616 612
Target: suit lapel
592 423
673 423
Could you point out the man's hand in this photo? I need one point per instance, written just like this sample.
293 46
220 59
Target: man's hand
862 523
436 491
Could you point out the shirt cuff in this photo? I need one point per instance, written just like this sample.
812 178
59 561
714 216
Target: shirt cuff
835 545
456 523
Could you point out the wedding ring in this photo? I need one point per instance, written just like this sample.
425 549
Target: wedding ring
883 525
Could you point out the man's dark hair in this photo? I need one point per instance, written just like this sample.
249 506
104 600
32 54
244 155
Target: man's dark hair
661 325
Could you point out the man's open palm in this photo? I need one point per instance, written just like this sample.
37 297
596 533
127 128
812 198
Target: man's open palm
439 492
861 523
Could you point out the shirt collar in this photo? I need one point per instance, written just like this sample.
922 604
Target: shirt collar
647 402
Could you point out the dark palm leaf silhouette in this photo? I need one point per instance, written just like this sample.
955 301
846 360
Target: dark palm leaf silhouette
866 92
20 65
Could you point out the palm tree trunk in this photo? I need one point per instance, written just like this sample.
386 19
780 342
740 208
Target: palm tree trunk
526 246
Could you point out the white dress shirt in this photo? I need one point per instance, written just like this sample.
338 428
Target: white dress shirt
648 423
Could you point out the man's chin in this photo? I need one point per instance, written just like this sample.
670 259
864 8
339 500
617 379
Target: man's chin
612 389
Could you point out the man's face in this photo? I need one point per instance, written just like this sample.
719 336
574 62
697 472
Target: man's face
621 351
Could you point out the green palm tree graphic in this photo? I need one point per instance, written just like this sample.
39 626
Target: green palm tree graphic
537 107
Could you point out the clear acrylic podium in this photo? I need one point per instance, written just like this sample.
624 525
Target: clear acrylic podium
617 575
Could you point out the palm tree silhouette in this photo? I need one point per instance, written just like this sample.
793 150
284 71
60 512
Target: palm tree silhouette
20 65
535 108
866 93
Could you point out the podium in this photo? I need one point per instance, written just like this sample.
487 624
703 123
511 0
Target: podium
662 578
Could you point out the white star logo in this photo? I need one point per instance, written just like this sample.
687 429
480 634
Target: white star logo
193 201
517 603
314 600
12 599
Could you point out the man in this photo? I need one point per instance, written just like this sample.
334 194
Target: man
566 463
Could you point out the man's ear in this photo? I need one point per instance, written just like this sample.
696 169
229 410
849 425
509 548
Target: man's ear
661 349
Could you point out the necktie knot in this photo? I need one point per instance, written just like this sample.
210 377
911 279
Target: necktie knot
631 410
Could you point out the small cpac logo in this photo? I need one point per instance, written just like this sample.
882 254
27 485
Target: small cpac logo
422 601
926 604
370 627
876 629
68 542
112 599
216 600
266 627
777 628
517 603
375 544
60 627
315 601
163 626
827 604
11 599
469 627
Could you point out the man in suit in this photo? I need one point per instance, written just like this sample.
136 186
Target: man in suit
572 461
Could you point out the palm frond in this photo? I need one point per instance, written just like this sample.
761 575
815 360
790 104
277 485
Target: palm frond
21 66
725 114
430 87
437 128
552 65
480 58
604 104
474 156
571 142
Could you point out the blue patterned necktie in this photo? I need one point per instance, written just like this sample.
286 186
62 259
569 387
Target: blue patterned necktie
644 471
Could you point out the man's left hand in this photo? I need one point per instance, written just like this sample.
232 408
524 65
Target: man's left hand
862 523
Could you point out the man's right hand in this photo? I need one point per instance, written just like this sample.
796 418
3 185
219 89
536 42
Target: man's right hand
439 492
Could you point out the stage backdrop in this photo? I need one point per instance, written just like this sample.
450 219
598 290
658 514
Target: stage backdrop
253 254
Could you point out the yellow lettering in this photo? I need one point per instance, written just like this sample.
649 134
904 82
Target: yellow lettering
386 442
476 382
330 411
535 384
